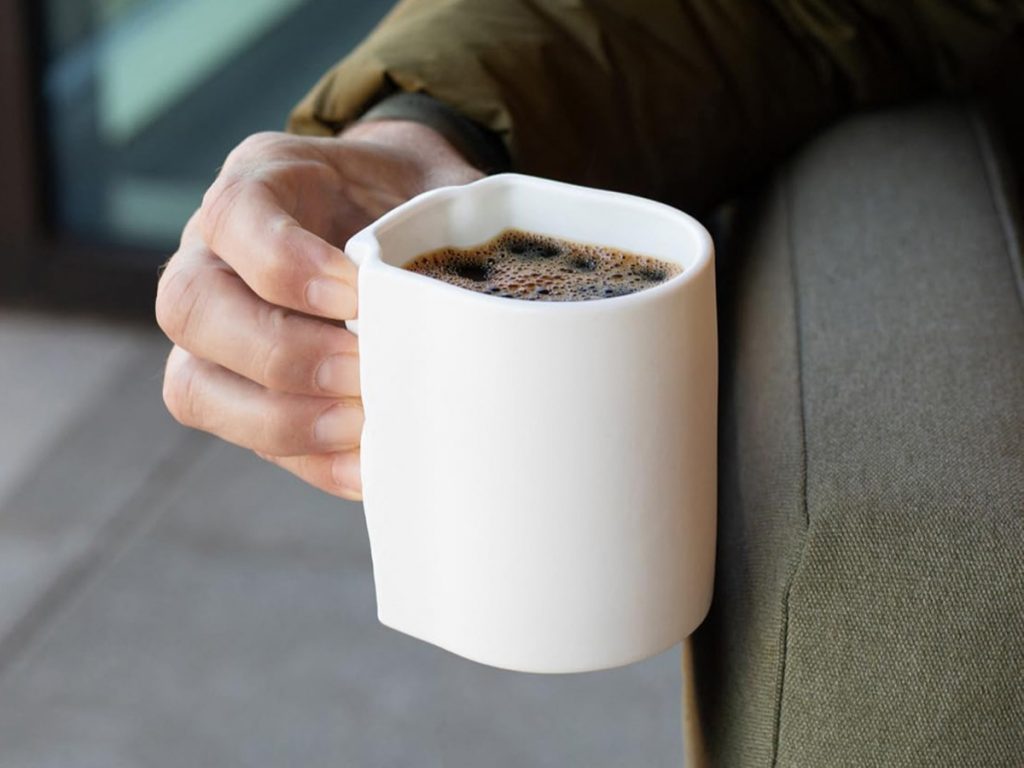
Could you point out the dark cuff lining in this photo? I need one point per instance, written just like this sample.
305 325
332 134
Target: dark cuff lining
481 147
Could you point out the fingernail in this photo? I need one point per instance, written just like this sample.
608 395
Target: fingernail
339 375
346 471
339 426
331 298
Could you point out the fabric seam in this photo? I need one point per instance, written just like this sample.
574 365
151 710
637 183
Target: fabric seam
786 183
997 184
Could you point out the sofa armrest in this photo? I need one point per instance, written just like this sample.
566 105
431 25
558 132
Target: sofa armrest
869 604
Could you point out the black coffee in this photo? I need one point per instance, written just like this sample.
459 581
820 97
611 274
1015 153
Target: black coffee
522 265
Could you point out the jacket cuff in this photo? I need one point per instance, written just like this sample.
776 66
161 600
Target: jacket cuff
481 147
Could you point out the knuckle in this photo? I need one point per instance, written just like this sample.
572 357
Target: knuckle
218 203
180 390
190 232
280 271
279 429
277 366
254 145
178 301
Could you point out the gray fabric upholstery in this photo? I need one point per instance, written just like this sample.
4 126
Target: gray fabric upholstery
869 605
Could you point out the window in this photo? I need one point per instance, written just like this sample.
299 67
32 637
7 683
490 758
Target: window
142 99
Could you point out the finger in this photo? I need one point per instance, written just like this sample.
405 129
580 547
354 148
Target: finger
334 473
205 308
244 223
205 396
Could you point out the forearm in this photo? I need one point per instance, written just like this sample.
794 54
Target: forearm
681 101
605 94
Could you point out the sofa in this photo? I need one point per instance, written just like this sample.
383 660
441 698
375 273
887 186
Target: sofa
869 593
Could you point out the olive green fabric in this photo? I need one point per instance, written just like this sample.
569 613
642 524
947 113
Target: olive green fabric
682 100
869 597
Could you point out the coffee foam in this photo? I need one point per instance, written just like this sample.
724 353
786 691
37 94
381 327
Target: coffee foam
522 265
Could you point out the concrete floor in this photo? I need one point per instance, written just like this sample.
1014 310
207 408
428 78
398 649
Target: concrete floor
170 600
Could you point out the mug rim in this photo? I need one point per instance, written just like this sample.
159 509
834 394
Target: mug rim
364 247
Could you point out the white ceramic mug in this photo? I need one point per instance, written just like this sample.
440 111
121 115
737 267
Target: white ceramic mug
538 477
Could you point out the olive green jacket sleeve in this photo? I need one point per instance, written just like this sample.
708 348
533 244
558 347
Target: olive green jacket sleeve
683 100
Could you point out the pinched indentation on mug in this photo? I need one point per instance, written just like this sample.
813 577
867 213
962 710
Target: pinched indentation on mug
523 265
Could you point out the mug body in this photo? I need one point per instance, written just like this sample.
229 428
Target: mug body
539 478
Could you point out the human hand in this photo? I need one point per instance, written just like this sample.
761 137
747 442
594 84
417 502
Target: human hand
253 297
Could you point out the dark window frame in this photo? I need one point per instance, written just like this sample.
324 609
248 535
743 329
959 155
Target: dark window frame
41 264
